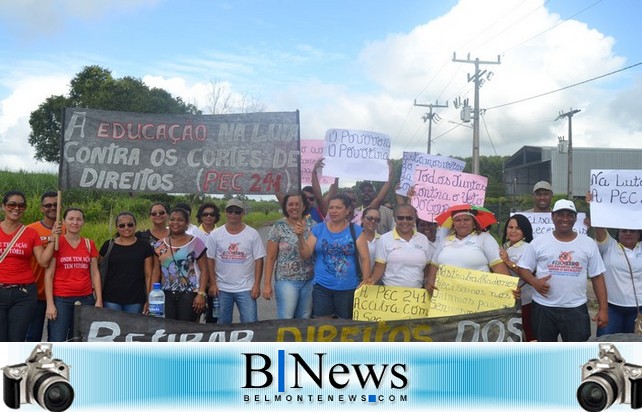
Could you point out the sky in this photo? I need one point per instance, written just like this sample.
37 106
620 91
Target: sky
359 64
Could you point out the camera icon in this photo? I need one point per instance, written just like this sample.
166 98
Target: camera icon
41 379
608 380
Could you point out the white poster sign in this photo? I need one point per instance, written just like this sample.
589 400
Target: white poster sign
356 154
617 199
543 222
412 160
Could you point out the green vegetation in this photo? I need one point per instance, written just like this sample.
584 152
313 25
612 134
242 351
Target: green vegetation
101 207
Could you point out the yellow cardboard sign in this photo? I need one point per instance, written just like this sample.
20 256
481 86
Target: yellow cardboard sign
461 291
376 302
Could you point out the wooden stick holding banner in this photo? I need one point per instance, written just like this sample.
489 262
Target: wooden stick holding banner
58 215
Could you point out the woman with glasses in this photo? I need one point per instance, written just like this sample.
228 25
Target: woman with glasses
293 274
467 246
342 260
18 292
71 277
178 254
158 214
370 219
403 253
622 257
128 279
207 217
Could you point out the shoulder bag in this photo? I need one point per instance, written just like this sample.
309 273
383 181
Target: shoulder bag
104 263
637 326
13 242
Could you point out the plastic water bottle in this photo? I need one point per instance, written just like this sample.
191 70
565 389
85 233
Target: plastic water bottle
157 301
216 307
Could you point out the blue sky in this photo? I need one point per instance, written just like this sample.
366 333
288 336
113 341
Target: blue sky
343 64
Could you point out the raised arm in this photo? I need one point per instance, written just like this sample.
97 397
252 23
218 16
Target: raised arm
381 196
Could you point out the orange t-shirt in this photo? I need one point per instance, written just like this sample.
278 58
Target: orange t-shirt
16 266
38 271
73 268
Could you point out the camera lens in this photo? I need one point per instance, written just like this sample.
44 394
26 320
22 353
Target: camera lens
53 392
597 392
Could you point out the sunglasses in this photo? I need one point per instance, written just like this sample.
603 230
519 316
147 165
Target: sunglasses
50 205
159 213
234 211
122 225
208 214
372 219
407 218
15 205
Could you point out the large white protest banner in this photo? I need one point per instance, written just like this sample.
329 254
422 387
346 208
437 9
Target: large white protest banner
542 222
617 199
247 153
311 152
412 160
438 189
356 154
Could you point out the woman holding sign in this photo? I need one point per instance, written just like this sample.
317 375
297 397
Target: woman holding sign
623 277
468 245
341 257
518 234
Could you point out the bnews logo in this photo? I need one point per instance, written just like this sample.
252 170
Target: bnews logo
293 373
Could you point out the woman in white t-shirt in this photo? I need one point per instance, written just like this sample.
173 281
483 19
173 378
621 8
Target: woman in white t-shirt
467 246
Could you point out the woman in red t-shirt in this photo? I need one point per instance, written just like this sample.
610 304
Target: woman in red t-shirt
18 292
72 276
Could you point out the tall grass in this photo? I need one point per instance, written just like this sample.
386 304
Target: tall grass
101 207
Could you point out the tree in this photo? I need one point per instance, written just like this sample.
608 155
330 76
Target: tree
95 88
221 100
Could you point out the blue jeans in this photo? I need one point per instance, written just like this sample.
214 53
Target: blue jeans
129 308
34 331
328 302
17 305
244 302
62 328
621 320
293 298
572 324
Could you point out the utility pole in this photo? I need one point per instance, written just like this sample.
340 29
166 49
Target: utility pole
569 183
429 116
478 82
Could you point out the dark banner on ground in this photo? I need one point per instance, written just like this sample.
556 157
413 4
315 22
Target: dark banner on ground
104 325
248 153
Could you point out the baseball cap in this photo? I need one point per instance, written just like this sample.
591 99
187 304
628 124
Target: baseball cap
564 204
235 203
542 184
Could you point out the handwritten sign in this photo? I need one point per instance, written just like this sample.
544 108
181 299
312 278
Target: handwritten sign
438 189
461 291
311 151
249 153
377 302
357 154
617 199
413 160
543 222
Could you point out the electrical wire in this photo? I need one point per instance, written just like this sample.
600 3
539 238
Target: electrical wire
565 88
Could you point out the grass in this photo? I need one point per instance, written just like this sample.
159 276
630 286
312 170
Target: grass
101 207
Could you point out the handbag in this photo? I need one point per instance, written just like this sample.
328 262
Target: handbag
13 242
104 263
637 326
357 264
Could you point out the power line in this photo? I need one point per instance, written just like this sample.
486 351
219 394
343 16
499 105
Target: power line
564 88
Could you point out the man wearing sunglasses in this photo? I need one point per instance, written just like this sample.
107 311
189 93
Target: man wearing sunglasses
48 206
235 254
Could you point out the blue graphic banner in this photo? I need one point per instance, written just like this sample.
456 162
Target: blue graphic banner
318 376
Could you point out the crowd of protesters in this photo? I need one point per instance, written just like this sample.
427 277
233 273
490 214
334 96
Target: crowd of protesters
323 249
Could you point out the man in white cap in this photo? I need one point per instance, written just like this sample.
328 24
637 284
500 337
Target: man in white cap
235 254
542 197
561 260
